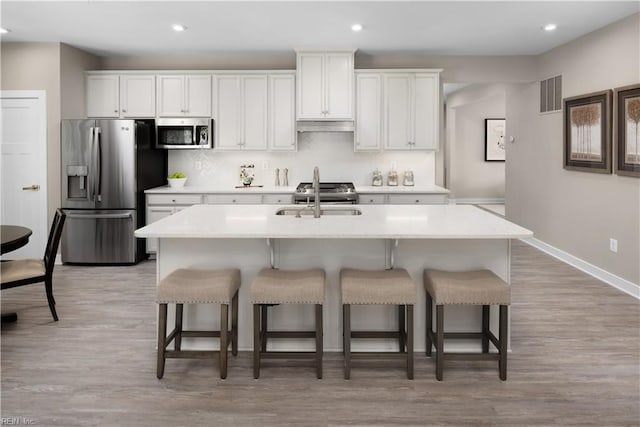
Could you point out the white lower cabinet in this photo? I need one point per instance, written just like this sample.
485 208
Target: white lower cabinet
233 199
277 199
417 199
162 205
372 199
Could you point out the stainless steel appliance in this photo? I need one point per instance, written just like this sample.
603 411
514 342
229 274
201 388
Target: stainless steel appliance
106 166
330 192
184 133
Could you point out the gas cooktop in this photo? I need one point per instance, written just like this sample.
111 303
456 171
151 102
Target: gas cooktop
330 192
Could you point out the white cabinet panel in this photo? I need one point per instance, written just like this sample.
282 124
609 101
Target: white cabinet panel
229 199
426 104
138 95
325 85
184 95
397 111
170 96
417 199
277 199
102 95
372 199
198 95
368 112
254 112
227 112
282 112
174 199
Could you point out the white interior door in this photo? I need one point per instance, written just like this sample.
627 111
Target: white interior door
23 185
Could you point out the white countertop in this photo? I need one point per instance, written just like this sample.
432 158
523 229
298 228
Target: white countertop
187 189
376 222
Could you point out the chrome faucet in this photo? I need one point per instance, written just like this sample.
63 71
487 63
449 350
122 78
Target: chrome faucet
316 192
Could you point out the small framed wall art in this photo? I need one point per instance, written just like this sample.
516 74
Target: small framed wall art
627 105
587 132
494 140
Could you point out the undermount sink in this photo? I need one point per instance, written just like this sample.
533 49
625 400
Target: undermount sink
308 211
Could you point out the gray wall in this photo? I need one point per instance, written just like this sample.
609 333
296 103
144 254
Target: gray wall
576 212
57 69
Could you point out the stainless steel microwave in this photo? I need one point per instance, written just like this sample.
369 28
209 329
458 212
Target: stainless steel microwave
184 133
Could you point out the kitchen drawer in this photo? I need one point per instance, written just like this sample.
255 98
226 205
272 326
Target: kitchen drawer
174 199
417 199
372 199
277 199
230 199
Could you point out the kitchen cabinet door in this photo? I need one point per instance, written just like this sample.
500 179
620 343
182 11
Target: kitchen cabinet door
425 116
282 112
170 96
102 95
368 133
197 95
397 111
227 110
325 85
138 95
254 110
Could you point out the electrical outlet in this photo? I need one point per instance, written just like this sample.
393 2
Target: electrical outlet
613 245
393 166
198 165
265 165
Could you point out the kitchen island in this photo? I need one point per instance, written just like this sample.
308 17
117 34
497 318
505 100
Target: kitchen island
250 237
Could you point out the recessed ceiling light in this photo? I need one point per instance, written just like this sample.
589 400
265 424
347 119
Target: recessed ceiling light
178 27
550 27
4 31
356 27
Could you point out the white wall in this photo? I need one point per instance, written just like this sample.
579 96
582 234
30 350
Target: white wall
332 152
577 212
469 175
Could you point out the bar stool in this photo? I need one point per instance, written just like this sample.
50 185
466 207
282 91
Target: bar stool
379 287
273 287
478 287
190 286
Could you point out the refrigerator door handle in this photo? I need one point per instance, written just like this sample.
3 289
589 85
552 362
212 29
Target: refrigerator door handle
91 178
100 216
98 165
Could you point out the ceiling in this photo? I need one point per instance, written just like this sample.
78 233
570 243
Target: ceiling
125 28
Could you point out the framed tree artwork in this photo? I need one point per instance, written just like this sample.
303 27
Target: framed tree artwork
627 102
494 140
587 132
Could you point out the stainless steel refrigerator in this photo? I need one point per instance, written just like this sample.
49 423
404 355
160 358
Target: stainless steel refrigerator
106 166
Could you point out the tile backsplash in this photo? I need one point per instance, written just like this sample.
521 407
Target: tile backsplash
332 152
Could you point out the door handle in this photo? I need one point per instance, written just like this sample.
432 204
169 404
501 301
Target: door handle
33 187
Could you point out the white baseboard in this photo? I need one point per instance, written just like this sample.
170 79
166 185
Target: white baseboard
463 201
610 279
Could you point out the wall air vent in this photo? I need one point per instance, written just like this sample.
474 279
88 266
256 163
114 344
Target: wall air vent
551 94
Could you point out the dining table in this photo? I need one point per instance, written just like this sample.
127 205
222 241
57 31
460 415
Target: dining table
13 237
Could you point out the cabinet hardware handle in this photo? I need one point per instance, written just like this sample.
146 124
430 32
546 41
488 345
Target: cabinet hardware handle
234 200
417 201
124 111
115 111
173 200
34 187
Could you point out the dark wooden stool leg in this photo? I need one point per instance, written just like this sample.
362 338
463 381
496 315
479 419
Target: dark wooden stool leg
48 286
234 324
429 325
162 336
319 339
410 342
346 336
256 341
224 339
178 339
503 341
263 324
485 328
401 327
439 341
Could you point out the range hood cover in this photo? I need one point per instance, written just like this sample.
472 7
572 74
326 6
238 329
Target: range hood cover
325 126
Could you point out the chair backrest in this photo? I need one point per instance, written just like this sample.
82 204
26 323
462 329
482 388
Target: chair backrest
54 240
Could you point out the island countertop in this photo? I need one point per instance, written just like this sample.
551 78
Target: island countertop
375 222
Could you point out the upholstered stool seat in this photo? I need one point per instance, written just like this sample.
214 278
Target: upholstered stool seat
273 287
477 287
379 287
194 286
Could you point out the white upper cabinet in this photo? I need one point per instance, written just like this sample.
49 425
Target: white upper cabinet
325 85
120 95
137 95
184 95
240 111
282 112
368 126
410 113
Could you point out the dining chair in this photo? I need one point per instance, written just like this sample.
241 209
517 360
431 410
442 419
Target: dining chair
27 271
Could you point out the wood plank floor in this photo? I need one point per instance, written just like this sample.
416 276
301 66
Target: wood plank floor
575 361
